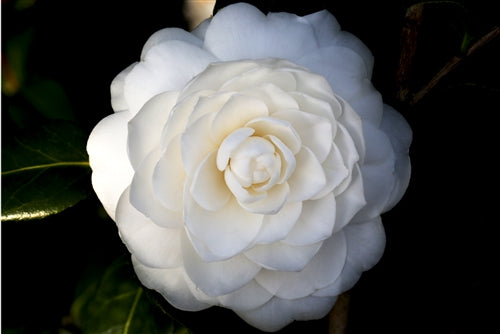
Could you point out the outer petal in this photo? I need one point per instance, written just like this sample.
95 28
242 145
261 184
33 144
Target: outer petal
181 60
169 34
277 313
377 171
220 277
400 135
282 257
171 283
249 297
324 268
118 101
241 31
152 245
107 149
146 127
343 68
325 27
365 246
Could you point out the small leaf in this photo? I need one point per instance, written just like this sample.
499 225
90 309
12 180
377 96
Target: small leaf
115 302
44 171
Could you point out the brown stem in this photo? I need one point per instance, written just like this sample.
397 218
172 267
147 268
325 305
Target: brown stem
453 63
409 37
337 319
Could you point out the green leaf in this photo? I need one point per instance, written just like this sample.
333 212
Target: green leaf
48 98
116 302
44 171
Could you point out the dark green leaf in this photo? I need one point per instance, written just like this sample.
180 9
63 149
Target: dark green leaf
44 171
115 302
48 98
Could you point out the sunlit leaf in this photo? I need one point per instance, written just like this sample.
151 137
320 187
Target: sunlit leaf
115 302
44 171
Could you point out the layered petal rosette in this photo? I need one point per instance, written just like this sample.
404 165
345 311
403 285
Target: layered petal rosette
247 164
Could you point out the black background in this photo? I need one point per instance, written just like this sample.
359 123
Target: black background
438 271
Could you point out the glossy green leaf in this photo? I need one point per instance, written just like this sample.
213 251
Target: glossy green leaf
44 171
115 302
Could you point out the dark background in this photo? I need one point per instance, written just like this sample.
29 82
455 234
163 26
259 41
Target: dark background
438 271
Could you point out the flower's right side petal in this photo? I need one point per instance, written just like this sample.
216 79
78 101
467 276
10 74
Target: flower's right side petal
108 158
325 26
171 284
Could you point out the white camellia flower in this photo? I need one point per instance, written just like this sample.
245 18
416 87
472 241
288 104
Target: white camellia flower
247 164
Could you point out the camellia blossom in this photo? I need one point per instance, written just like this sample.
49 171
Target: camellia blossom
247 164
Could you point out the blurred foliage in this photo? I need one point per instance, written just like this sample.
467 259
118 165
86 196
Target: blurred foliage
112 300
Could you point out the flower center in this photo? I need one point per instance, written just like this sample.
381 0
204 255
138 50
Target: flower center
255 162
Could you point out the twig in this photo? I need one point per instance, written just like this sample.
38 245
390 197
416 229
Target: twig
337 319
453 63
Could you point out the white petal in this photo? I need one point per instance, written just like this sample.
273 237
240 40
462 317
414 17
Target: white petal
343 68
288 162
282 257
196 144
118 101
169 34
274 97
317 107
248 297
377 171
315 223
144 130
277 313
241 31
351 201
169 177
179 116
238 110
209 189
259 76
143 197
225 232
201 29
365 246
368 105
308 178
152 245
216 74
242 194
217 278
229 144
315 131
324 268
272 203
167 66
354 125
325 26
111 168
171 284
276 227
400 135
279 128
348 40
335 172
